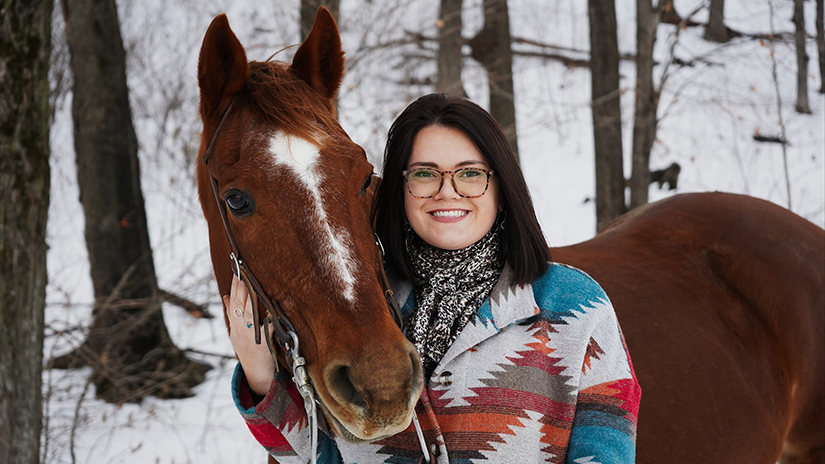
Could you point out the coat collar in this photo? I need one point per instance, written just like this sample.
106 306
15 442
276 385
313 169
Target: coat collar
508 303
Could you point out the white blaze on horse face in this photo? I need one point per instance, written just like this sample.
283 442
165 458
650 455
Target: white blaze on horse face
301 156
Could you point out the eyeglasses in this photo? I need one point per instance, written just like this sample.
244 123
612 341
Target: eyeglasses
467 182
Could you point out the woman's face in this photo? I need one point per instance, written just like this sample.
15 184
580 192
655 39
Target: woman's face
447 220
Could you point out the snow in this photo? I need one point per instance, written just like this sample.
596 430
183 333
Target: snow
712 111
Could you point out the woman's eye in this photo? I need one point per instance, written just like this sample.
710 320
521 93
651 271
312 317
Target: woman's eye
470 173
422 174
238 203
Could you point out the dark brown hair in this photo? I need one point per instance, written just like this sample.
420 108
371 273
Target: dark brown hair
525 248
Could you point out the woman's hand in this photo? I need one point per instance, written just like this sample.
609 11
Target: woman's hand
255 359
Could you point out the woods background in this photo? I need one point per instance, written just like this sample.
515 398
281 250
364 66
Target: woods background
680 96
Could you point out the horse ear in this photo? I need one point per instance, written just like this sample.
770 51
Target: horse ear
222 65
320 60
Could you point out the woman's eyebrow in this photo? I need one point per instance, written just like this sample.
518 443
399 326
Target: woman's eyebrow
471 162
430 164
424 164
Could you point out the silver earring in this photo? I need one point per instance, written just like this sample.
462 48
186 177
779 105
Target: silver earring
501 218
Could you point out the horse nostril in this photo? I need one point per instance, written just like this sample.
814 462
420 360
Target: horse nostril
417 376
342 383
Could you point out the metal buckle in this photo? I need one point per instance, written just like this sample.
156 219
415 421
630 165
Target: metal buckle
380 245
237 269
300 378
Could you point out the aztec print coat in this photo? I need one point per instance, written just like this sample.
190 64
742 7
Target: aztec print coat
541 374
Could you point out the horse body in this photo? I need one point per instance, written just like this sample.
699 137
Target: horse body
722 301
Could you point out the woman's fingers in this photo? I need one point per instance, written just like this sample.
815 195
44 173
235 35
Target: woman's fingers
235 304
241 290
226 306
255 359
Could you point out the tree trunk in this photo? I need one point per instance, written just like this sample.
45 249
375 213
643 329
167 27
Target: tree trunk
647 101
25 47
449 49
801 59
491 48
310 7
607 117
716 30
820 42
128 345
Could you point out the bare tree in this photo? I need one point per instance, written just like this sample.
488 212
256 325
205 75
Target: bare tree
801 59
449 49
820 42
128 346
647 99
25 46
716 30
491 47
607 117
310 7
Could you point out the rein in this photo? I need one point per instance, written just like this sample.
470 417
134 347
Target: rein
283 328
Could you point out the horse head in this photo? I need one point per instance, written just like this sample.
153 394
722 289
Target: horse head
296 192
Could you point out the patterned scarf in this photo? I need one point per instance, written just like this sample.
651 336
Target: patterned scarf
452 285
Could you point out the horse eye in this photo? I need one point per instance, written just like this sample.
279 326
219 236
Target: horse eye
238 203
367 183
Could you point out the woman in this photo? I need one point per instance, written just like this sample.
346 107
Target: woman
524 361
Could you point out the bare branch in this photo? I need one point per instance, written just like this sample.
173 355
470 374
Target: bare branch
779 110
195 310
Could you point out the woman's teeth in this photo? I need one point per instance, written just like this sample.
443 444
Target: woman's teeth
452 213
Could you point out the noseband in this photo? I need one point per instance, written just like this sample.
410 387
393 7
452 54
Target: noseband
283 328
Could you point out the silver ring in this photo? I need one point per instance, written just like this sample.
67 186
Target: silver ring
238 313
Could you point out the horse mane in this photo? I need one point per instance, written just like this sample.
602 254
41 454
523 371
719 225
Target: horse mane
287 101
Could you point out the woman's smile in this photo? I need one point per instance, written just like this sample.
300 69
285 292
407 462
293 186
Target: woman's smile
449 215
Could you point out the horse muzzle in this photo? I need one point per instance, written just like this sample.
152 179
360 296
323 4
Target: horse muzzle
372 396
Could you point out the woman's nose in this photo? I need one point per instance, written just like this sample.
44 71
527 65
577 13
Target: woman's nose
447 191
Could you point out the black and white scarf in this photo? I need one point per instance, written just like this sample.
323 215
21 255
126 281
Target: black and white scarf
452 285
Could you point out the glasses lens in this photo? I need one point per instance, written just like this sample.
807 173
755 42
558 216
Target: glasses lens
424 182
470 182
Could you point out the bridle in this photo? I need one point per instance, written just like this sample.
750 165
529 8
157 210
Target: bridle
284 331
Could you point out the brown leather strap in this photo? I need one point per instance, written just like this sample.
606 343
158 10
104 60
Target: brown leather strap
211 147
392 303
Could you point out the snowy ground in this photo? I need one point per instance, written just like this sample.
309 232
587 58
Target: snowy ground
712 112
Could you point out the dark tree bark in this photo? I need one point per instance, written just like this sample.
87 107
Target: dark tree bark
310 7
607 117
647 100
449 49
25 46
491 47
128 346
802 105
716 30
820 42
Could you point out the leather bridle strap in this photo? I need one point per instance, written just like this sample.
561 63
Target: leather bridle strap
392 303
280 322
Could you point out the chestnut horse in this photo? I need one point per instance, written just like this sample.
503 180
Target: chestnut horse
294 188
721 297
